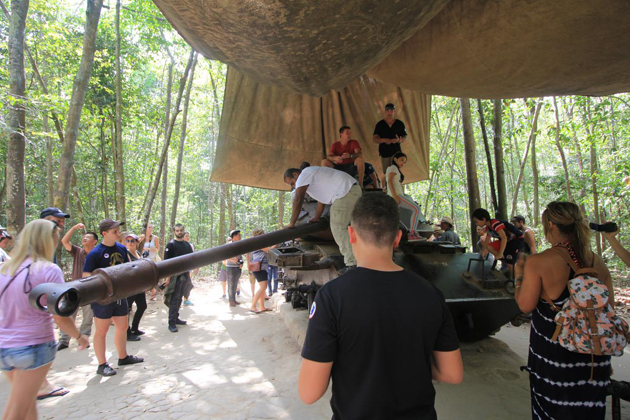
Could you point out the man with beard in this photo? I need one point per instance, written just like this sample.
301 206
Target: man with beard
175 285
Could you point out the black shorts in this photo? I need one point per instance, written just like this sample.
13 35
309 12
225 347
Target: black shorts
260 275
118 308
348 168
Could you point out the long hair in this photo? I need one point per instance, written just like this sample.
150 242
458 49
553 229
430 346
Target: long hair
398 155
571 223
37 241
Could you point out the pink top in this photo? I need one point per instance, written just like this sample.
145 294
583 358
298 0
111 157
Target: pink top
20 324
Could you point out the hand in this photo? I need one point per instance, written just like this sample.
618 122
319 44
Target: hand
314 219
610 235
84 342
345 156
397 199
338 160
167 282
500 257
79 226
141 238
290 226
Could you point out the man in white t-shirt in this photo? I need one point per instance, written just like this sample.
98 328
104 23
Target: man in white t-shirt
332 187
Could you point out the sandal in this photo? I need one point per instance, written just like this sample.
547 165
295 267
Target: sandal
59 392
254 311
267 310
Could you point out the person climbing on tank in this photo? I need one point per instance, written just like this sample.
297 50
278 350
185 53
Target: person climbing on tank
395 190
510 240
329 187
345 155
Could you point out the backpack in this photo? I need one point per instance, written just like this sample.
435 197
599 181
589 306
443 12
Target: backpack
587 322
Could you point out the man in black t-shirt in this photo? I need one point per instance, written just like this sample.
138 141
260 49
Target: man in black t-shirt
175 284
382 332
389 134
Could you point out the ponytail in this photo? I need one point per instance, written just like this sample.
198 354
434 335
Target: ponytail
398 155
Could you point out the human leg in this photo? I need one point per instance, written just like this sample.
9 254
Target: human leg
176 300
100 334
385 163
120 335
141 307
340 214
408 203
327 163
233 273
23 396
87 321
252 283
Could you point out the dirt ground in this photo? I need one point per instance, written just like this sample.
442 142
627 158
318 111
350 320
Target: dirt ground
228 364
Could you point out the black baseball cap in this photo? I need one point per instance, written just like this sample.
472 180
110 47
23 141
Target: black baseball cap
54 212
107 224
390 106
234 232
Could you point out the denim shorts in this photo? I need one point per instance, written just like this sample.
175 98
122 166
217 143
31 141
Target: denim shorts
27 357
118 308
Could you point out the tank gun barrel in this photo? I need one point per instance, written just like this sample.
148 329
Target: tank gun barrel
118 282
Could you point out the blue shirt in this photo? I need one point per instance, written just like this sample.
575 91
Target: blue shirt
105 256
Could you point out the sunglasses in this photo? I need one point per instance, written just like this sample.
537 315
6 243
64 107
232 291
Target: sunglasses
130 241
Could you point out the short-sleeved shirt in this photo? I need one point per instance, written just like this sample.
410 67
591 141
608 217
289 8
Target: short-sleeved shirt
396 185
21 324
380 329
384 131
450 236
260 256
338 149
105 256
78 255
511 231
325 184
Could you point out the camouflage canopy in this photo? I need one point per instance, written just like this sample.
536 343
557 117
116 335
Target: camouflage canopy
304 52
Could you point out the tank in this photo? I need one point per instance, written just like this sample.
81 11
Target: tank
479 297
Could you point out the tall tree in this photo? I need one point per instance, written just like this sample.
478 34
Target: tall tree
119 168
182 141
486 146
222 227
561 150
532 133
498 158
471 166
280 209
534 162
15 192
167 140
167 121
77 100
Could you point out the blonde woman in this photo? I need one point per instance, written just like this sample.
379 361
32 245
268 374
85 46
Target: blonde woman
27 336
563 384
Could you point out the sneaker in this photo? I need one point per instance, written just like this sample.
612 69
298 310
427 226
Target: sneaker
172 328
130 360
223 297
137 332
131 337
188 303
238 293
180 322
62 346
232 304
106 370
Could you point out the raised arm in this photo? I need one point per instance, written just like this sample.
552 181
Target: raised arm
300 193
67 238
621 252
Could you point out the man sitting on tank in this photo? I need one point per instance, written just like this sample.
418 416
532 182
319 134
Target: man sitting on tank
345 155
327 186
449 235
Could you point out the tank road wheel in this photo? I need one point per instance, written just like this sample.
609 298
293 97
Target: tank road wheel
296 301
310 298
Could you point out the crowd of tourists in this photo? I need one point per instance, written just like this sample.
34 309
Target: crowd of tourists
381 358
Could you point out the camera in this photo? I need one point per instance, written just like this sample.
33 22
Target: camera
606 227
162 286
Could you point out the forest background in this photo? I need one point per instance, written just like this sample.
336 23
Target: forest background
146 134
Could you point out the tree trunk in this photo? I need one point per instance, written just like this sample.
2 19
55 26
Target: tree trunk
119 169
182 141
15 192
486 145
280 209
75 192
534 161
498 159
222 229
79 90
561 150
532 133
164 235
104 167
230 207
471 167
445 142
50 184
167 141
594 173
